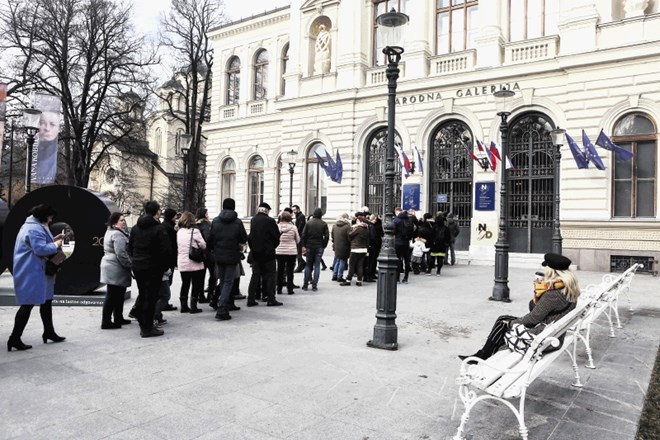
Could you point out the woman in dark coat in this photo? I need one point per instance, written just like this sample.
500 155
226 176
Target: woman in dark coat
115 271
555 295
440 243
341 245
34 244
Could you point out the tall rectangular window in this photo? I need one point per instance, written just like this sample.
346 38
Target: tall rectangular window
455 25
533 19
381 7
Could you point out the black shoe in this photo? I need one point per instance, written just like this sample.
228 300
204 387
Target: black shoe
295 286
158 323
185 309
252 303
334 279
133 314
123 321
340 280
53 337
110 325
222 316
358 283
315 289
305 288
167 308
17 344
240 296
345 283
195 311
233 308
290 292
151 333
203 300
273 303
298 270
213 305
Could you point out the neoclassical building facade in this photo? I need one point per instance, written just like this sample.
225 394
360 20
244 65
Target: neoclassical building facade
310 79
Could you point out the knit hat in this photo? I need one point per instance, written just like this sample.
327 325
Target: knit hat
556 261
229 203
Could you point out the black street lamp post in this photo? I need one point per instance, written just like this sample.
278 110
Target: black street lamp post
184 141
292 165
385 331
557 140
501 287
31 118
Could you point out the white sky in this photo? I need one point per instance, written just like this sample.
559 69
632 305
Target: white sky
147 12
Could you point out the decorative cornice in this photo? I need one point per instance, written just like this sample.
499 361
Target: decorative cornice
256 22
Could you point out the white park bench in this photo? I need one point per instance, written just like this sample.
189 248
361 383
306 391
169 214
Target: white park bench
506 375
606 294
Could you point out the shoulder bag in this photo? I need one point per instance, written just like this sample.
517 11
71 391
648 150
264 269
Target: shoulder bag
194 253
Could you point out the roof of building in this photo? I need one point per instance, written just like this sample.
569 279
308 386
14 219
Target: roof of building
242 20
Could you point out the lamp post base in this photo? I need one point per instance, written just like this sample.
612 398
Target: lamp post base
384 338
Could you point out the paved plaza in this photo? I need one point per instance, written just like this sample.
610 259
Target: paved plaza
303 371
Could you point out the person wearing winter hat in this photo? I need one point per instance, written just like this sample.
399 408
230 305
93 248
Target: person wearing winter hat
314 240
555 295
226 241
264 238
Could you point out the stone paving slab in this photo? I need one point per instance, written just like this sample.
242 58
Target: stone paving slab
303 371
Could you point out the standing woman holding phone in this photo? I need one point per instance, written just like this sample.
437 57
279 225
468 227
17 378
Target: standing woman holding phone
34 244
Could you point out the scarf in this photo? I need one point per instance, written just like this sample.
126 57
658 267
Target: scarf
544 286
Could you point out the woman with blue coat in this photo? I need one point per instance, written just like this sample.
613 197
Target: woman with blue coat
34 244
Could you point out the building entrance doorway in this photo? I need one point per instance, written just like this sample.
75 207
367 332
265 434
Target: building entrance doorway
531 184
450 186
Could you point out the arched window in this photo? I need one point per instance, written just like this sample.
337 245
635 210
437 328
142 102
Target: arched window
285 60
255 184
380 7
635 179
233 80
532 19
177 142
158 141
455 25
375 172
261 75
228 179
317 180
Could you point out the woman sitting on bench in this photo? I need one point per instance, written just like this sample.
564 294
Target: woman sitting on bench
555 294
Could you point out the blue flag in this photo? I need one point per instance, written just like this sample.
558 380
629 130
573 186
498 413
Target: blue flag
606 142
339 169
578 155
592 154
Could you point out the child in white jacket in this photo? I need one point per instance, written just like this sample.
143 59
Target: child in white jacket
418 250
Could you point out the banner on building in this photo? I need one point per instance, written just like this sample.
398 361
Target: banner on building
44 152
3 113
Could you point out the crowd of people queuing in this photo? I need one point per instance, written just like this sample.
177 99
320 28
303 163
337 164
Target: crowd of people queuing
161 242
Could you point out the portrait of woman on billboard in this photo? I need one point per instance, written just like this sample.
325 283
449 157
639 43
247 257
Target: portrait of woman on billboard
44 162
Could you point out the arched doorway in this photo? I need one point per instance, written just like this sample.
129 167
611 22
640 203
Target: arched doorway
531 184
375 163
450 186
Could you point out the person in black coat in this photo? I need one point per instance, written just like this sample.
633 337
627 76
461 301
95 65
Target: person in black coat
165 294
151 253
300 224
204 226
404 230
264 238
228 236
439 245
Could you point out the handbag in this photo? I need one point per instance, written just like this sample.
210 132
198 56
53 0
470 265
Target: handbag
518 338
54 262
194 253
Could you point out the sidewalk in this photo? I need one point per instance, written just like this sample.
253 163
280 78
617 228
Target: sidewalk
303 371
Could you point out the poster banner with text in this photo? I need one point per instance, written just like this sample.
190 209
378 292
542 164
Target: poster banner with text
44 153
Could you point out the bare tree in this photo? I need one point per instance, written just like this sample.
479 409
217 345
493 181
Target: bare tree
87 53
185 33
